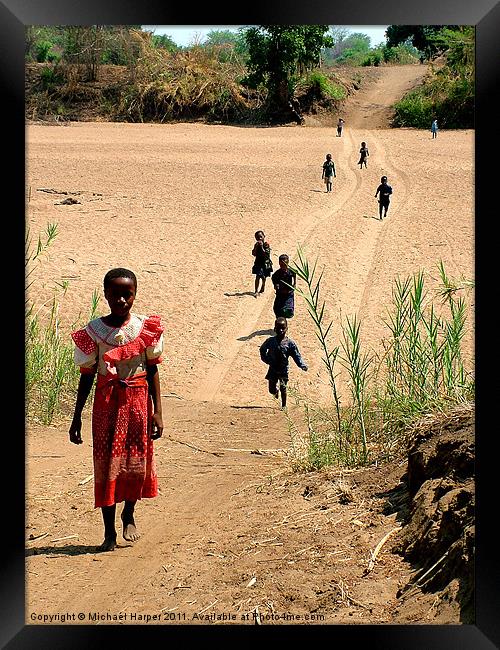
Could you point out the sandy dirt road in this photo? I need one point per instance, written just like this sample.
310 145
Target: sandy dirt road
179 204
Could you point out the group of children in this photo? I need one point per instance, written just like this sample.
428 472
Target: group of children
121 352
277 350
384 189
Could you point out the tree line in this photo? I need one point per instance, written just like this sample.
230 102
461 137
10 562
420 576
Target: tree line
275 58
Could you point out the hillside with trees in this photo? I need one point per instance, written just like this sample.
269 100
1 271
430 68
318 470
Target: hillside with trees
260 74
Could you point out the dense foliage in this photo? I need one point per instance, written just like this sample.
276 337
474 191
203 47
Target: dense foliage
279 55
448 94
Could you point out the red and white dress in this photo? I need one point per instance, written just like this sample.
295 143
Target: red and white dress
124 467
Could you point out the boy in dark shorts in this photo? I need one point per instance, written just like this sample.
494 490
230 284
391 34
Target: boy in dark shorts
385 193
328 172
275 351
284 281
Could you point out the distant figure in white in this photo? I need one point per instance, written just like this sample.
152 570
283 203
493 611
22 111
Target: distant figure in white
434 129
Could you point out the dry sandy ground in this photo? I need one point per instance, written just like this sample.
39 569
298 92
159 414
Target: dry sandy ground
179 204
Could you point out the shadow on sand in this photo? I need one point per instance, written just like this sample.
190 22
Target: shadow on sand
69 549
241 293
257 333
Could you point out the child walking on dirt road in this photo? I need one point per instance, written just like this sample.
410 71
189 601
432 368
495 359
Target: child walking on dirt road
122 349
275 351
284 281
328 172
263 265
385 191
363 155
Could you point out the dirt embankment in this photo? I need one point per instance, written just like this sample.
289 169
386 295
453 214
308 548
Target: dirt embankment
233 530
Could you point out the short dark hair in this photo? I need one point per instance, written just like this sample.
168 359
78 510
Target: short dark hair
119 273
258 232
281 319
283 257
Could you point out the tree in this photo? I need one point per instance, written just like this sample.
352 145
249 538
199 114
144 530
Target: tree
279 55
423 37
233 43
165 42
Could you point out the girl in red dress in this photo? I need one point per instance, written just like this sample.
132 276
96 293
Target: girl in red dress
122 349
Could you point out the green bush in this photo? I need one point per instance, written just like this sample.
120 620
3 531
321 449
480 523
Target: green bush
323 88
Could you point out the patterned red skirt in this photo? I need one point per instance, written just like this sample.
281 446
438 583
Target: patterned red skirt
124 467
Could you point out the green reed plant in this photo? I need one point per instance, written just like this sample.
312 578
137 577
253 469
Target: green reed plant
51 376
421 372
357 365
311 296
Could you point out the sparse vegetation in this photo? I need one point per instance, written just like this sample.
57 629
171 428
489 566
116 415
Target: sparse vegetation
420 371
51 374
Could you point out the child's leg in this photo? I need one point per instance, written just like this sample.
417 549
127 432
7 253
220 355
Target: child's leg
283 395
129 530
263 285
108 515
273 387
256 284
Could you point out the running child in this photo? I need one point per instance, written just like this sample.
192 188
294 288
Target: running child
328 172
363 155
122 350
385 191
284 281
263 265
275 351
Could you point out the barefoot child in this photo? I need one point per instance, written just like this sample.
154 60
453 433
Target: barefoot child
385 196
122 349
275 351
328 172
363 155
262 266
284 281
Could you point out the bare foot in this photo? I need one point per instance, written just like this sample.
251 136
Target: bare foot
109 544
130 532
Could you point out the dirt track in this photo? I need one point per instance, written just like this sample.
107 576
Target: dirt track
179 205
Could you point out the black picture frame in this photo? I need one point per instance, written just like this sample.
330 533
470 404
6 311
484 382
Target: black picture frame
485 15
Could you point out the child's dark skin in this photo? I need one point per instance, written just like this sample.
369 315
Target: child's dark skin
120 295
280 328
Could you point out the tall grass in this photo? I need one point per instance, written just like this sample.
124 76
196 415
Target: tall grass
417 370
51 376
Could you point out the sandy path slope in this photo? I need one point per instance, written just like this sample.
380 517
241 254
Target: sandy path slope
179 204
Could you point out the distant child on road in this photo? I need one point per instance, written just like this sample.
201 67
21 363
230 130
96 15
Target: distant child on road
328 172
385 191
434 129
275 351
340 126
363 155
282 279
262 266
